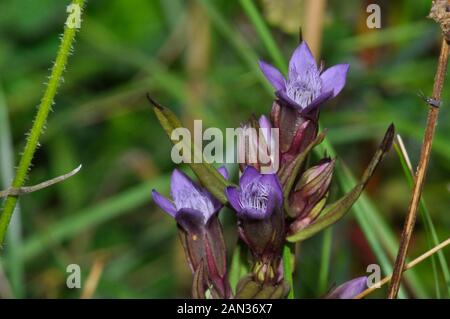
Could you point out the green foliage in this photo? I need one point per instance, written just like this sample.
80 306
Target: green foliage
103 121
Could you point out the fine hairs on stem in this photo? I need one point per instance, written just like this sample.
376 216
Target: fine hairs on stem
40 120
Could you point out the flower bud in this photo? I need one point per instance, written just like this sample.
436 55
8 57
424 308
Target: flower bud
349 289
309 195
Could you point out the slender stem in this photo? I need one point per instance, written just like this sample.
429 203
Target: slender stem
325 262
287 270
410 265
430 229
40 121
421 173
263 31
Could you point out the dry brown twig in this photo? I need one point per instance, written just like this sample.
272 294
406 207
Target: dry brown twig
439 12
410 265
30 189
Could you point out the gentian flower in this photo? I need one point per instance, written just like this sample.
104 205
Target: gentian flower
258 197
349 289
192 206
195 211
306 86
258 202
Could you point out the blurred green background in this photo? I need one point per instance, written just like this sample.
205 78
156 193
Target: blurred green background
200 58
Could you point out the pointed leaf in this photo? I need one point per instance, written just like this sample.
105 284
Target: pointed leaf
337 210
205 172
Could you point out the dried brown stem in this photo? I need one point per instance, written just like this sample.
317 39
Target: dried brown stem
410 265
420 173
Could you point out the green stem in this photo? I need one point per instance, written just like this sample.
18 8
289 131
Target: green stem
325 262
13 261
263 31
287 269
39 122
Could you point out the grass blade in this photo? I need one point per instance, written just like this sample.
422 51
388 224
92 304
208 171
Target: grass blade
16 267
264 33
430 229
287 270
325 260
73 224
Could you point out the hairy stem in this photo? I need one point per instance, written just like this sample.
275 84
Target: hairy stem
420 173
40 120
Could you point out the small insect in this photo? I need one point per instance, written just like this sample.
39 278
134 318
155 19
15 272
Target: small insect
430 100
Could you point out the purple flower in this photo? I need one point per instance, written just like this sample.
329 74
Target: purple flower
306 86
195 211
192 205
258 197
349 289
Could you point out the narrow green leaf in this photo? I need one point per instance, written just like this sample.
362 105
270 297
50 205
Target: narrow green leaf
430 229
97 214
205 172
264 33
325 259
287 270
332 213
236 268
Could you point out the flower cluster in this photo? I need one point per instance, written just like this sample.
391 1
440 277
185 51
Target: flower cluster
274 209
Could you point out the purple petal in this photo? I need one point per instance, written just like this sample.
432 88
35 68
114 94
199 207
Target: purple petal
301 60
191 220
180 182
224 172
265 126
250 173
232 194
273 75
264 122
322 98
253 213
276 193
216 203
274 183
333 79
165 204
282 95
349 289
187 194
